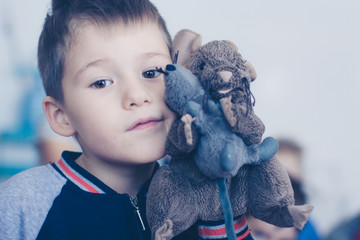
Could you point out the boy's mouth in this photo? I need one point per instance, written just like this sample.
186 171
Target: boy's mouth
144 123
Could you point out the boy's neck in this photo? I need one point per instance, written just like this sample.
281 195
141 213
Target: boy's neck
121 178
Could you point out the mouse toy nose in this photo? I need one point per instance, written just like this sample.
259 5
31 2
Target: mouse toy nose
225 75
170 67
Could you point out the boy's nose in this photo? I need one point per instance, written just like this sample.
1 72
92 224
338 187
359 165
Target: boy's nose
135 96
136 101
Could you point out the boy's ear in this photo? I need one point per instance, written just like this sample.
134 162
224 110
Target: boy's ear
57 118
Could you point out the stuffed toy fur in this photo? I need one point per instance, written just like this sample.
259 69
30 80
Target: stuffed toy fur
219 151
227 77
186 190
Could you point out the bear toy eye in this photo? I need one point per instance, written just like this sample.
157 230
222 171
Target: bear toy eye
202 65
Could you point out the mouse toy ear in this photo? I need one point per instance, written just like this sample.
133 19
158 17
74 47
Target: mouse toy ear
185 42
251 70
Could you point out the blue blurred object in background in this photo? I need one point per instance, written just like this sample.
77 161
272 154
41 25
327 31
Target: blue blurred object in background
18 142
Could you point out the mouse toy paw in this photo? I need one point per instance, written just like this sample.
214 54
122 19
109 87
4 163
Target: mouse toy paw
165 232
187 119
229 115
300 214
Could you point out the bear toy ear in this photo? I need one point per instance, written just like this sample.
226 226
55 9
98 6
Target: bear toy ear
247 63
231 44
185 42
251 70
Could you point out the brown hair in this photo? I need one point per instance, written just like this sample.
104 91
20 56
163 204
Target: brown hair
67 15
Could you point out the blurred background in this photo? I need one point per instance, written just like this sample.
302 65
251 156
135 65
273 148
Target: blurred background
306 54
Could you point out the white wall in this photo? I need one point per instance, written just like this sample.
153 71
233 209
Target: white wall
306 54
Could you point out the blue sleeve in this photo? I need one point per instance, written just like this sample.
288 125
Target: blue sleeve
308 232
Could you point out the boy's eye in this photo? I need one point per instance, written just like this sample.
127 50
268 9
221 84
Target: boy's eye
101 83
150 73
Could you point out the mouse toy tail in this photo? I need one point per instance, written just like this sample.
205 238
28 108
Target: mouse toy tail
226 206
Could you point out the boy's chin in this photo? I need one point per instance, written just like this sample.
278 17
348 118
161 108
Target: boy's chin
157 157
150 157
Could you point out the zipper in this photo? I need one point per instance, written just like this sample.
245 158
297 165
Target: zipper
134 202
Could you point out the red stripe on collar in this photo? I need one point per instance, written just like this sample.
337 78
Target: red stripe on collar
76 178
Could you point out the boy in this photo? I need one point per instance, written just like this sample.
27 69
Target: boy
98 61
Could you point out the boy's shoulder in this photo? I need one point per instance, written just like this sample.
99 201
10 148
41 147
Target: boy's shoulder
31 182
25 201
31 187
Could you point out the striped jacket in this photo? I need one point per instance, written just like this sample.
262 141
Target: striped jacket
63 201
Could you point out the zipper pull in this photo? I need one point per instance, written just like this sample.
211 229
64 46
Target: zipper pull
134 202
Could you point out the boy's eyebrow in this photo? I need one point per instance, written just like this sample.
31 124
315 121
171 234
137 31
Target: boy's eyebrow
91 64
155 54
102 60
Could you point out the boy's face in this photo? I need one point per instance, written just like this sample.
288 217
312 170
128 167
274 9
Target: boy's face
114 98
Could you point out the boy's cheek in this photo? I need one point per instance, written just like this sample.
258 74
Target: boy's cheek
172 116
170 119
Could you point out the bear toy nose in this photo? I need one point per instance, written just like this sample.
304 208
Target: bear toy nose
170 67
